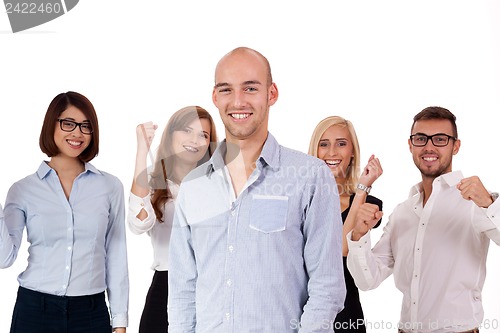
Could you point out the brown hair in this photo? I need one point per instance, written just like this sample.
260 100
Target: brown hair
166 159
58 105
436 112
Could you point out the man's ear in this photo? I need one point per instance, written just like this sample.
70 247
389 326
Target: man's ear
456 146
214 97
273 94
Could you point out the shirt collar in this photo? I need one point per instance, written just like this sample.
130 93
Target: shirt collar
268 156
450 178
44 169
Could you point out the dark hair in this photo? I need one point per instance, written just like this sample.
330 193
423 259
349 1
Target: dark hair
58 105
436 112
166 159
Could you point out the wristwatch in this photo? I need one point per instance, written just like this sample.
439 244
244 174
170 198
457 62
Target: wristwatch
362 187
494 196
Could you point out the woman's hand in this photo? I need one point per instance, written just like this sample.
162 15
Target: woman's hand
145 134
371 172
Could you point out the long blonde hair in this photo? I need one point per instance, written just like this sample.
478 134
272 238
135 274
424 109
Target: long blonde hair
352 174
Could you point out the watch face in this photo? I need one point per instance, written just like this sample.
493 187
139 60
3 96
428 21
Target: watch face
364 188
494 195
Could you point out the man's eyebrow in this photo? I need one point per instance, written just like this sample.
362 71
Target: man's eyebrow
251 82
222 84
245 83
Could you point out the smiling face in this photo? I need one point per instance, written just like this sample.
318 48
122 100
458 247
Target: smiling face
190 144
336 149
71 144
434 161
243 95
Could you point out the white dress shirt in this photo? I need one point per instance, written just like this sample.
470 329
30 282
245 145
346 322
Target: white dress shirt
159 232
437 254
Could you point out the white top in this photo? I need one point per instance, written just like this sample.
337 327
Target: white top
159 232
437 254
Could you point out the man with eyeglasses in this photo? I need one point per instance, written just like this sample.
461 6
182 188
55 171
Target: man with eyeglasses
436 242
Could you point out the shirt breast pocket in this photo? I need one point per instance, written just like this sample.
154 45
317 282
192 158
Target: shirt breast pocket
268 213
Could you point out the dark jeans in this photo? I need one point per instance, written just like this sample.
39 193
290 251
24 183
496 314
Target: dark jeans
154 317
36 312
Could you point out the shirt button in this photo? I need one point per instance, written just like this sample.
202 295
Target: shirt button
67 267
228 315
69 248
231 248
229 282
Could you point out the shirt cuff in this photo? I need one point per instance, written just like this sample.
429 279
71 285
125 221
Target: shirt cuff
119 320
360 246
137 203
493 212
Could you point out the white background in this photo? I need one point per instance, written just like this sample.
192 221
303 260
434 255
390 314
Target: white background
376 63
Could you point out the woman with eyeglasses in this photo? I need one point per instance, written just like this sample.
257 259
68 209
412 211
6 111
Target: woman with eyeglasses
334 140
188 140
74 217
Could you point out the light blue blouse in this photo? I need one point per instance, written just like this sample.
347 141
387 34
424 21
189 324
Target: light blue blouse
77 246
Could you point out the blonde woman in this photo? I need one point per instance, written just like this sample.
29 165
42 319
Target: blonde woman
334 141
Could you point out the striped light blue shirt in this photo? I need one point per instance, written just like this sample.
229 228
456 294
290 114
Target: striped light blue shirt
77 246
269 260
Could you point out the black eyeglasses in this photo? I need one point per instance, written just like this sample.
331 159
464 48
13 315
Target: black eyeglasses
438 140
70 125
